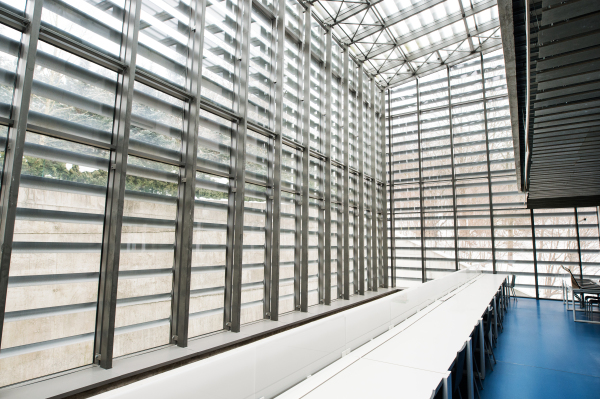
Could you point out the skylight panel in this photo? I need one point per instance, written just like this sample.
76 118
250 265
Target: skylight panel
419 27
387 8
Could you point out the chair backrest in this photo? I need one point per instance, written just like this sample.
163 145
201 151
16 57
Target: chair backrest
475 337
487 322
574 282
512 281
457 372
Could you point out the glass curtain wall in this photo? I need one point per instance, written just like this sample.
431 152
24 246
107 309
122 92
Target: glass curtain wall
455 199
148 171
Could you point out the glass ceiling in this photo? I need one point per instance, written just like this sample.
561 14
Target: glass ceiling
400 39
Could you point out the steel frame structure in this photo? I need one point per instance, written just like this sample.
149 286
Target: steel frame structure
29 23
388 41
540 230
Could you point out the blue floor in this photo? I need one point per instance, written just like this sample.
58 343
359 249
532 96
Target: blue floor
543 353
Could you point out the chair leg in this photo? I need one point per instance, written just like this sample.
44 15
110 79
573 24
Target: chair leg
477 375
493 356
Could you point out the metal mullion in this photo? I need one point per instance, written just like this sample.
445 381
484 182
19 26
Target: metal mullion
298 235
598 221
453 170
340 238
15 144
487 149
268 270
464 19
374 251
360 265
384 213
321 208
306 46
423 270
535 265
277 162
182 272
327 177
346 182
392 188
355 253
233 273
115 198
578 243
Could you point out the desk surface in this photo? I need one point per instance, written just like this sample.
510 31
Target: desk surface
370 379
410 360
433 342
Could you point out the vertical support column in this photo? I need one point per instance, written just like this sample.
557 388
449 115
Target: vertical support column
298 233
321 209
113 217
361 189
374 249
268 226
327 177
470 387
422 211
384 230
391 174
453 172
578 243
535 265
489 171
15 144
346 182
305 157
340 241
268 274
182 273
233 275
277 158
598 221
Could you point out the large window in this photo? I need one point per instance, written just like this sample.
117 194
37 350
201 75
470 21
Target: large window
146 211
455 198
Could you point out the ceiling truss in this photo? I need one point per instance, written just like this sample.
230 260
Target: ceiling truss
399 40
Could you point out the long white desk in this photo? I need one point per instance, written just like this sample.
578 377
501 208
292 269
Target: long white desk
319 351
412 359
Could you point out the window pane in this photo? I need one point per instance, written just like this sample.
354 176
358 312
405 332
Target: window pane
214 142
220 44
163 39
95 23
260 86
287 252
53 281
253 268
156 123
291 89
316 103
208 254
147 252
